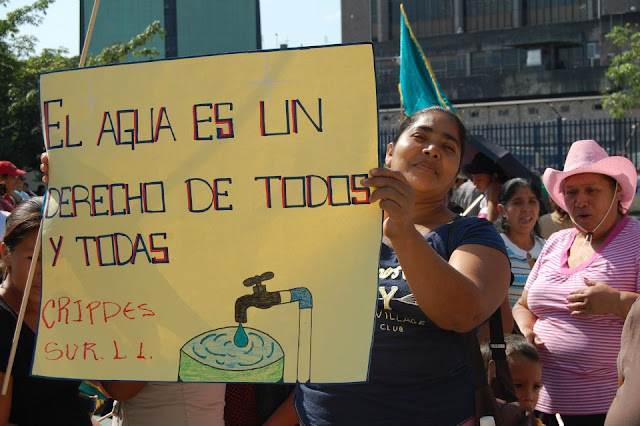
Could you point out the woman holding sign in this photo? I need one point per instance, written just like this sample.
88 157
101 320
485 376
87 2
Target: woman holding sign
439 278
29 400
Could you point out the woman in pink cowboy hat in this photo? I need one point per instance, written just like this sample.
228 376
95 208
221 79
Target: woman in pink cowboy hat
583 285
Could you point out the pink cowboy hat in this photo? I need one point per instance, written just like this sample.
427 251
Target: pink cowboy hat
588 157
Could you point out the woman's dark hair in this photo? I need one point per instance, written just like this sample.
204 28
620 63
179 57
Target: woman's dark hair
516 345
410 120
507 191
23 220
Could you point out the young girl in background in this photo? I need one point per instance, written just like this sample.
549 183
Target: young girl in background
526 371
518 208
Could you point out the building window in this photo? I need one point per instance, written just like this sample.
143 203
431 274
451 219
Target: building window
486 63
482 15
427 18
503 112
564 108
593 52
374 20
449 66
534 57
571 57
475 113
597 107
532 111
539 12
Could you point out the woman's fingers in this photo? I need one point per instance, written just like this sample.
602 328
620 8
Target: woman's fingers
389 185
44 167
576 297
577 308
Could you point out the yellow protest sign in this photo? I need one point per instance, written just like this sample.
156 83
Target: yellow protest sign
205 219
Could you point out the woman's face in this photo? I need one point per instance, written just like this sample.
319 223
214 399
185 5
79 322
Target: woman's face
588 197
18 263
428 153
11 182
521 211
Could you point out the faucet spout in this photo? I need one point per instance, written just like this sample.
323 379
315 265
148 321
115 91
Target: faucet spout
261 298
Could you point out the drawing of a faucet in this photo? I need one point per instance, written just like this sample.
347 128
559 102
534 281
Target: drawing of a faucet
263 299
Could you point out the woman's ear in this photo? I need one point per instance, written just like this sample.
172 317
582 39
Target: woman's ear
500 209
387 159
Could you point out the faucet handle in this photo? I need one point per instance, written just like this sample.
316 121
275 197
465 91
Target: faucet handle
258 279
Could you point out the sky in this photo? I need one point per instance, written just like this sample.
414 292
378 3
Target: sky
295 22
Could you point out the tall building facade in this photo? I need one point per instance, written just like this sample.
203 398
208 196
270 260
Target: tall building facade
499 61
193 27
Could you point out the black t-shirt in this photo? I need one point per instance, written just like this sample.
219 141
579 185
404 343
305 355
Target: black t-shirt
35 400
418 373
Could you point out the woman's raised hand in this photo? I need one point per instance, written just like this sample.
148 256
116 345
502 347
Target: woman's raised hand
396 197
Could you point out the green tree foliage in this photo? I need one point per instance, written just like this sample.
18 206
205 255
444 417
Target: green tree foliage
624 70
20 125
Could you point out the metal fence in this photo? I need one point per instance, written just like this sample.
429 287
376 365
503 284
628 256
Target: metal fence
545 144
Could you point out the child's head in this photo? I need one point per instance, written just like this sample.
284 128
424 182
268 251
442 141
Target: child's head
525 368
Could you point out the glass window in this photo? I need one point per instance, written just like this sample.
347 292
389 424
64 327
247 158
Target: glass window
427 17
593 50
538 12
481 15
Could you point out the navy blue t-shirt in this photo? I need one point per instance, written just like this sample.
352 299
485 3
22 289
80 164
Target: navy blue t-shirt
419 373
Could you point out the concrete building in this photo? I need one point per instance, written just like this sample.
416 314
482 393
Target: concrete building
193 27
498 61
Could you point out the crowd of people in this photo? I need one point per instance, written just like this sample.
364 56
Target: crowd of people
567 288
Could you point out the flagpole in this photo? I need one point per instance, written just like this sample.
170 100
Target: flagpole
87 39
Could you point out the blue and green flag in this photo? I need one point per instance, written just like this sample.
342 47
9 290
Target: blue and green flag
418 85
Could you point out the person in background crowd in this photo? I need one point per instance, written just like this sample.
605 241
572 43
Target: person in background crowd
447 285
525 369
29 400
485 177
625 409
583 285
10 181
40 190
518 208
555 221
463 195
23 190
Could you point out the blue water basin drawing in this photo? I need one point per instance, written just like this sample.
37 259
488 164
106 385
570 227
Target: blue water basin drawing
215 357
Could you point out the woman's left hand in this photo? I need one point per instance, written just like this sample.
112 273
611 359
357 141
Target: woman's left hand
595 299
